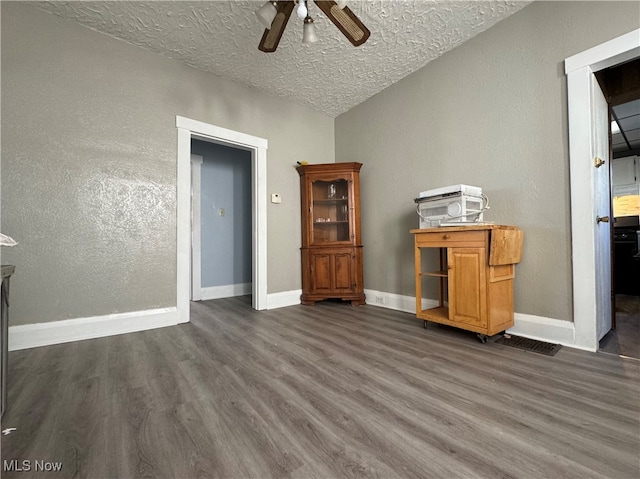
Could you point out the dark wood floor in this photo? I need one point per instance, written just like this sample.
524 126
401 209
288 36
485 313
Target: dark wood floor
327 391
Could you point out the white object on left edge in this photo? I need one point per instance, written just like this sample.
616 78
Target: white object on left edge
7 240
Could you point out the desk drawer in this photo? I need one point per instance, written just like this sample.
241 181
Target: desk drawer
451 239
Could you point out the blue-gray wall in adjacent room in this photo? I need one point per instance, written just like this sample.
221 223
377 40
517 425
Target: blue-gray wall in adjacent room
225 240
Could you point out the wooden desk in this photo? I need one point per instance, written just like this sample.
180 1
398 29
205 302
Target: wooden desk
475 278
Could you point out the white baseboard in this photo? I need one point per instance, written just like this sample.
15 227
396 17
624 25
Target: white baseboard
226 291
283 299
389 300
544 329
397 302
533 327
45 334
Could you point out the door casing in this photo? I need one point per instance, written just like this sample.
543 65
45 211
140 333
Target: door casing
579 69
196 257
188 129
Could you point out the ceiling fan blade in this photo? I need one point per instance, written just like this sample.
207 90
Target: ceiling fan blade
271 37
346 21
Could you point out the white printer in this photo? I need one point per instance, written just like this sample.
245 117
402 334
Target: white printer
451 206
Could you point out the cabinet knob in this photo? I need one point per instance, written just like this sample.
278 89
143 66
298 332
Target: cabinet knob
446 236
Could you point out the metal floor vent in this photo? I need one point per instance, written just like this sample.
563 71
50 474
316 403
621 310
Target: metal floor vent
548 349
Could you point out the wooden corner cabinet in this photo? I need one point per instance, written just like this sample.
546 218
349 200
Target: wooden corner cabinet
331 237
475 276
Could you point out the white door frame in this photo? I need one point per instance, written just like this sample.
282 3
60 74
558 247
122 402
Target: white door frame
196 250
188 129
579 69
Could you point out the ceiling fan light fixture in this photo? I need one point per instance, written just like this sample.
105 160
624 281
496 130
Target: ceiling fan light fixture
277 13
309 34
302 10
266 13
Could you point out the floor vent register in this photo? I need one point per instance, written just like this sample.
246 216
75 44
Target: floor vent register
533 345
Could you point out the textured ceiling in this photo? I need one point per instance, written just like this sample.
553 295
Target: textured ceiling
330 76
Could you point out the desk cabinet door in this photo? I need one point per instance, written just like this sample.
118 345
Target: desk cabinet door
467 285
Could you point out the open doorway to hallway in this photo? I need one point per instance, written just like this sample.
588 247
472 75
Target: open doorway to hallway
222 220
187 130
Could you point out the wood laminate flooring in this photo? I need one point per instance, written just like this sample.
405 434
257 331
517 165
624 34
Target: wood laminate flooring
324 391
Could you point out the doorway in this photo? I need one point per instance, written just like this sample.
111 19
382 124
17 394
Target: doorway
621 85
221 221
588 311
189 129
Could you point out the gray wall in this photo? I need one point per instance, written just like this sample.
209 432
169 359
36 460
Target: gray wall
89 149
89 157
492 113
225 239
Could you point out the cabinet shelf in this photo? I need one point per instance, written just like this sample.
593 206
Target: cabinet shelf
438 314
439 274
330 201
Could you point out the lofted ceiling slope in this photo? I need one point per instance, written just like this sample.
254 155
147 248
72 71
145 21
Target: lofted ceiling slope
330 76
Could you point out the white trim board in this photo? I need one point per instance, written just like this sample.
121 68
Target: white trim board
533 327
29 336
225 291
45 334
196 249
188 129
56 332
397 302
579 69
283 299
544 329
615 51
227 136
529 326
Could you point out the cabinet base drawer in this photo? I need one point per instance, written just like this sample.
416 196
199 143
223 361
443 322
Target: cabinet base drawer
447 239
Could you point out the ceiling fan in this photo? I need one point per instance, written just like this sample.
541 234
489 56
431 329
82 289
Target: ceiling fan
274 15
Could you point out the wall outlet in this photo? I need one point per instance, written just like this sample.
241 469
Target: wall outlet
379 299
276 198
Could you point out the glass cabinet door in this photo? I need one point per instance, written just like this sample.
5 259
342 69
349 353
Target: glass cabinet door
330 211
